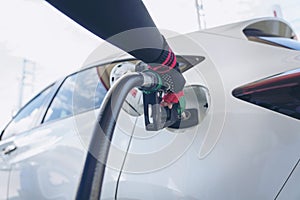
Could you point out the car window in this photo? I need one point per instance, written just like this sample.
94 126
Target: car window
27 117
79 92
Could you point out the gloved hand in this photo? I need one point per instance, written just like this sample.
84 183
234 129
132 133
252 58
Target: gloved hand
173 83
172 80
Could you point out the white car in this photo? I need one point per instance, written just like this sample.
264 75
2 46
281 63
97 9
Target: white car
244 81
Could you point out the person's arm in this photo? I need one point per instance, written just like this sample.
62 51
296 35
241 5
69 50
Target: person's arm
127 25
109 18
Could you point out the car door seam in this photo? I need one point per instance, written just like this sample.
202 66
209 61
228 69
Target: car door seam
287 179
124 160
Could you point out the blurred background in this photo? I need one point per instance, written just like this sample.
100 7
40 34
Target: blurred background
39 45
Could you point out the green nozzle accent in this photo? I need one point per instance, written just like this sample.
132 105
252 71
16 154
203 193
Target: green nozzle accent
157 86
182 105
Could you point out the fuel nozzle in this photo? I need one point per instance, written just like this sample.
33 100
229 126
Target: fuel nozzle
157 116
152 82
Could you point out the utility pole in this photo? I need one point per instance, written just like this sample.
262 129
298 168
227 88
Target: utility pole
277 12
27 80
200 14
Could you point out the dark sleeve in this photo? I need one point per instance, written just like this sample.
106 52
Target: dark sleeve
114 21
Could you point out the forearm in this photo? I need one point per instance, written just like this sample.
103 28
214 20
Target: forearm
124 23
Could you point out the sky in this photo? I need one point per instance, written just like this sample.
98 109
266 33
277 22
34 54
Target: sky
56 46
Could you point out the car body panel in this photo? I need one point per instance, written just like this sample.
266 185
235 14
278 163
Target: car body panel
256 148
235 30
291 188
50 159
238 150
5 166
44 166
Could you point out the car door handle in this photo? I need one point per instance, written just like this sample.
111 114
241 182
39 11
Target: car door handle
8 149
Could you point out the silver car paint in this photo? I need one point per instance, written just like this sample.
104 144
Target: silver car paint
249 154
50 159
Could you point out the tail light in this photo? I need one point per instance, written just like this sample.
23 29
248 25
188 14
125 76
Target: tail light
279 93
